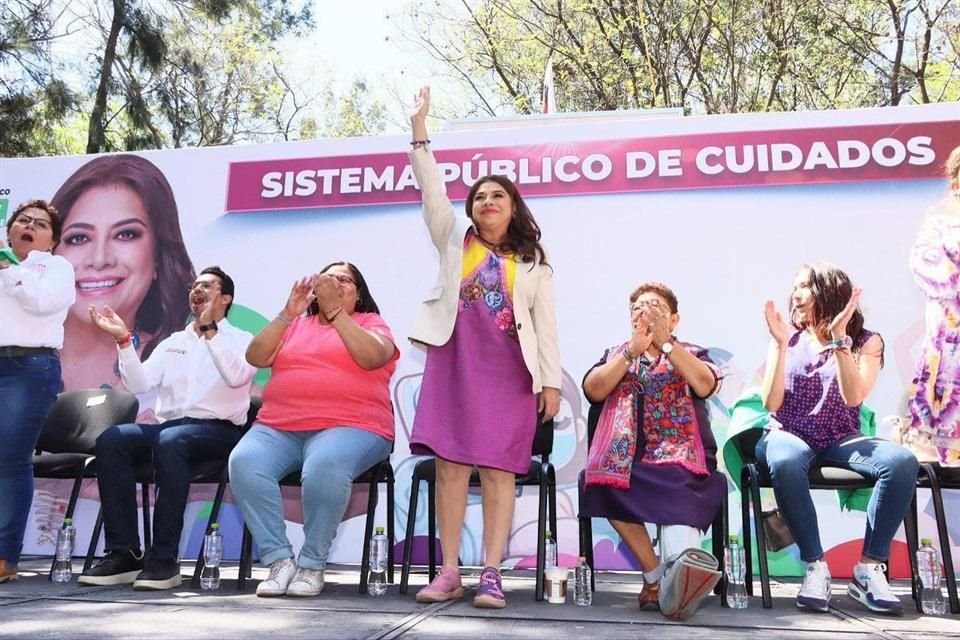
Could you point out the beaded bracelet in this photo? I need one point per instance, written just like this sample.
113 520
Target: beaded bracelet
419 143
338 312
282 319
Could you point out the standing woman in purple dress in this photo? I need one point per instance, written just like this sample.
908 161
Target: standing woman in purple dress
818 373
493 360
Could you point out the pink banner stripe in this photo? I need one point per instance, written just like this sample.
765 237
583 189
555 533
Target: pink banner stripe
691 161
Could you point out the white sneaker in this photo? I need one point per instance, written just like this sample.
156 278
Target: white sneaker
870 586
281 573
306 583
815 591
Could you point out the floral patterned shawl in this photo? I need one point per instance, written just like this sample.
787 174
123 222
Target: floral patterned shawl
671 433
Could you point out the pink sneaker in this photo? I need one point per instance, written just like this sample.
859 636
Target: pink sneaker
490 590
446 586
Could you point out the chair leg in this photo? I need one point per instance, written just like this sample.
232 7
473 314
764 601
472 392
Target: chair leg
944 538
391 526
246 559
71 506
541 535
408 539
719 528
910 533
145 494
745 530
432 528
372 495
94 539
586 548
761 541
214 514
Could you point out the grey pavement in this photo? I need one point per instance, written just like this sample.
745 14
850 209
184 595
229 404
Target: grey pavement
33 607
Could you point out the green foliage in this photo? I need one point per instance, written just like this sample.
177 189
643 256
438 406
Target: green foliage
32 96
707 56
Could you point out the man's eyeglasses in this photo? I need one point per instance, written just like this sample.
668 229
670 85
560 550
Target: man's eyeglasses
39 223
342 278
644 304
203 286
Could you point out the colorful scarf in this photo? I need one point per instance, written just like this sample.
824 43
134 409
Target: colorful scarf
670 428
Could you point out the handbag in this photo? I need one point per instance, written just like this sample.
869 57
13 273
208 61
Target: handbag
775 530
687 579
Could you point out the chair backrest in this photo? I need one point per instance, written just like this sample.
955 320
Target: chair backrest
543 438
78 417
256 403
745 443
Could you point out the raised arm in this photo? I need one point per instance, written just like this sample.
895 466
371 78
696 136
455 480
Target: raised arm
855 375
771 391
437 208
604 378
369 349
263 349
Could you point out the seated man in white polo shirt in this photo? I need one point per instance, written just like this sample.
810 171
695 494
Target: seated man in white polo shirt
203 382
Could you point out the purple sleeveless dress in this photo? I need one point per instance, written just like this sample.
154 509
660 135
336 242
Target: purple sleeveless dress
476 403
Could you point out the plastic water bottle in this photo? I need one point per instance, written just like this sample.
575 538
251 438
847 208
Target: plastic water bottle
212 555
582 595
734 563
550 550
377 579
928 562
63 567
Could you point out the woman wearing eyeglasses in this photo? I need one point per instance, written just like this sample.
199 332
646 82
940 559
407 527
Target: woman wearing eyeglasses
653 457
36 290
326 412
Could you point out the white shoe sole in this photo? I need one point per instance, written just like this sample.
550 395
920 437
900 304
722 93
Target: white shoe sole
158 585
128 577
270 592
860 596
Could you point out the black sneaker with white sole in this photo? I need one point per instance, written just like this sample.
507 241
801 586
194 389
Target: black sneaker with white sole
117 567
159 575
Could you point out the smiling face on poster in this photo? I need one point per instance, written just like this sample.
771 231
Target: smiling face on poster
122 235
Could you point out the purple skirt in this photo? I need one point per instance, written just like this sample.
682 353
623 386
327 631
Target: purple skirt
476 403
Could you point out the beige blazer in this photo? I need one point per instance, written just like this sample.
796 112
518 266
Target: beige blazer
533 302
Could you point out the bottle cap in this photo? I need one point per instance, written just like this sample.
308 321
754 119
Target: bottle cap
548 534
215 526
379 531
67 521
734 539
583 558
926 542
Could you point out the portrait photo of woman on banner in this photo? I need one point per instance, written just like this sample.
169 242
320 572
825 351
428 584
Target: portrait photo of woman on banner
121 233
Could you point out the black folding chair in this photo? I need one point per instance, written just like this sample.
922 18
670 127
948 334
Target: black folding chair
65 450
718 527
540 474
755 477
381 472
202 471
936 478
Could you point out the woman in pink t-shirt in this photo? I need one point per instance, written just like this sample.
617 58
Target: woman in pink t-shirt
326 411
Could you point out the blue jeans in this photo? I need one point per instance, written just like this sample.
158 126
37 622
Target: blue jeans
171 446
788 460
28 388
328 460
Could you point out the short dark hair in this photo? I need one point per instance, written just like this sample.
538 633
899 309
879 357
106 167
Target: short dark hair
226 282
56 222
658 288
